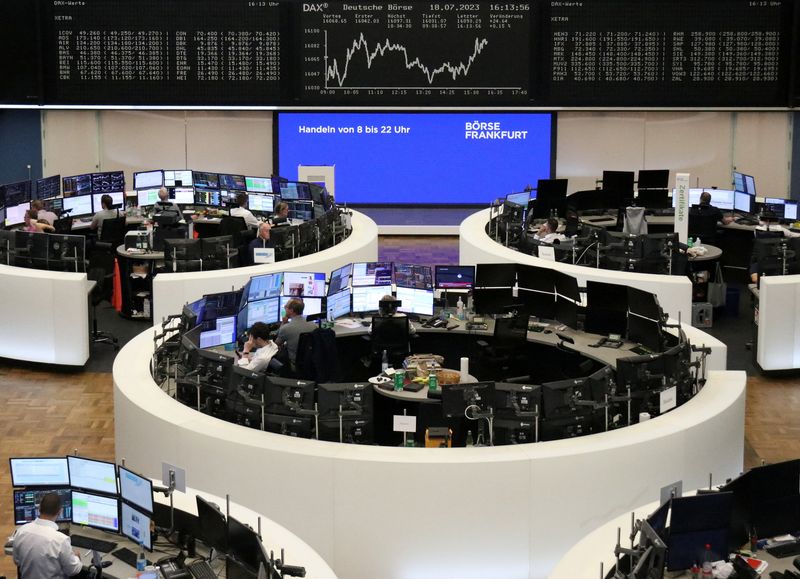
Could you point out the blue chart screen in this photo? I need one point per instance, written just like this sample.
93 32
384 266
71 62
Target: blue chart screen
419 158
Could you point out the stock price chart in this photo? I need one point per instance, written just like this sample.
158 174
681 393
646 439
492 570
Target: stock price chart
416 53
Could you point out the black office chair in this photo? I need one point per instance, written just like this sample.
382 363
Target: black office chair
703 226
307 238
113 233
285 240
506 355
101 270
390 333
218 252
63 225
235 227
317 357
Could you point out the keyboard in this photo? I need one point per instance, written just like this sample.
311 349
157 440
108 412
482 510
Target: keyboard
83 542
201 570
785 549
127 556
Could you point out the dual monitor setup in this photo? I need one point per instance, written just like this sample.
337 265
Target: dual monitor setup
48 251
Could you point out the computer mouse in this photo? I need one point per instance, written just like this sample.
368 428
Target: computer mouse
548 331
365 323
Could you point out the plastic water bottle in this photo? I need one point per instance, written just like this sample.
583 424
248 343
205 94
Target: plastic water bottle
384 361
470 440
707 569
141 560
460 309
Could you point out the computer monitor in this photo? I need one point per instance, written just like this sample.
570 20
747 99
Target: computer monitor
92 475
372 273
182 195
551 196
457 397
258 184
790 210
312 307
413 276
244 544
26 504
495 275
78 206
135 489
367 298
607 309
117 200
55 204
568 407
97 511
771 210
415 301
695 523
454 276
646 332
340 279
296 426
221 304
338 305
267 310
655 198
653 179
205 180
299 284
236 182
738 182
213 525
135 525
148 179
540 279
750 184
224 332
515 399
147 197
743 202
36 472
261 202
265 286
210 197
15 214
178 178
295 191
76 185
521 199
16 193
643 303
48 187
108 182
355 397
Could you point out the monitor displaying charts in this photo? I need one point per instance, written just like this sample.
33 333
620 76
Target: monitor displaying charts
95 511
147 197
117 200
78 206
93 475
304 284
261 202
223 333
148 179
415 301
266 311
178 178
39 472
135 489
372 273
367 298
16 213
340 279
183 195
265 286
136 526
26 504
258 184
338 304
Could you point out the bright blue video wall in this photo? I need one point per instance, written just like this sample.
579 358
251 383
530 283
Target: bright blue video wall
419 157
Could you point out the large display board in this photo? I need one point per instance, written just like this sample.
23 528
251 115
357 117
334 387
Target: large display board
545 53
411 158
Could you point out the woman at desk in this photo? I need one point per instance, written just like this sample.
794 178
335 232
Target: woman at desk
281 215
33 225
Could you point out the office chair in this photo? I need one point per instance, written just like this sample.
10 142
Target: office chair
308 241
768 234
182 255
63 225
635 222
390 333
101 270
702 226
218 252
285 240
235 227
113 234
506 355
317 357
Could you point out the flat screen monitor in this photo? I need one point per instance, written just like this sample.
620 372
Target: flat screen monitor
366 298
340 279
223 333
26 504
607 308
652 179
643 303
78 206
455 276
295 191
415 301
265 310
376 273
495 275
235 182
208 197
97 511
258 184
790 210
457 397
338 304
205 180
244 544
56 205
136 526
148 179
695 523
303 284
261 202
117 200
771 210
302 210
413 276
750 184
213 525
743 202
312 306
36 472
108 182
178 178
521 199
265 286
16 193
645 331
135 489
724 199
182 195
48 187
15 214
77 185
147 197
738 182
92 475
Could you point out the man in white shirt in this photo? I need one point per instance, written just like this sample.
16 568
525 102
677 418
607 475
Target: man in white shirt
165 203
548 232
40 551
242 211
265 349
107 212
42 213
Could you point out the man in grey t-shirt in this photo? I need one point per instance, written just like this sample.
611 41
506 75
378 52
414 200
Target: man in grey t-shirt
106 213
293 325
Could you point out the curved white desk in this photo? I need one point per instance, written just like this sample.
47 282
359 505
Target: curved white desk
674 291
509 511
172 290
778 330
45 316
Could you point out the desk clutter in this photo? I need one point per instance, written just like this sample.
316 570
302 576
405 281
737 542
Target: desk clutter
115 507
649 371
720 532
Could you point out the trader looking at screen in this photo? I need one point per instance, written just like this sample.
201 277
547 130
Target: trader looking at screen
264 348
40 550
293 325
706 208
281 215
242 211
106 213
548 232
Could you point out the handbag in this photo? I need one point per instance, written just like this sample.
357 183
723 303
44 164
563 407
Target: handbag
717 289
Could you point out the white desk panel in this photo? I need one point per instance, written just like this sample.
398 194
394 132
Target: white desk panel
416 513
778 330
172 290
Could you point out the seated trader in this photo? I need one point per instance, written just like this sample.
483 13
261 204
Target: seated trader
40 550
548 232
44 214
264 348
241 211
106 213
387 308
164 201
768 222
706 208
281 214
34 225
261 240
292 326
